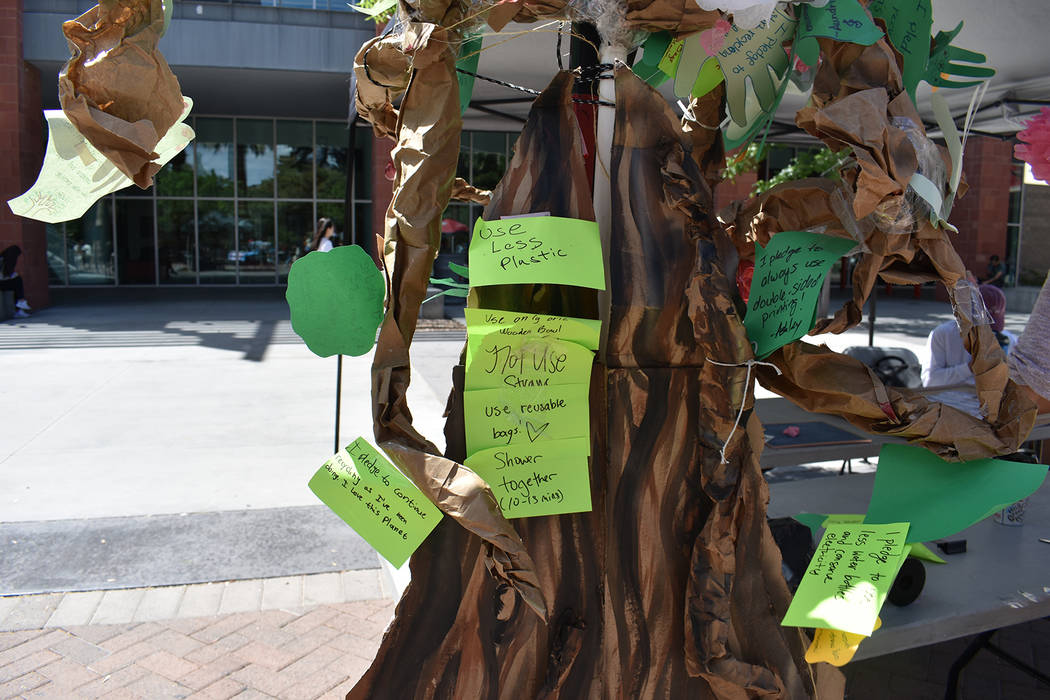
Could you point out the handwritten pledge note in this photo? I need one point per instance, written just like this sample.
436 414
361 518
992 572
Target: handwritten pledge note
543 478
513 417
908 23
537 249
789 274
843 20
524 361
835 646
75 174
510 324
380 503
848 579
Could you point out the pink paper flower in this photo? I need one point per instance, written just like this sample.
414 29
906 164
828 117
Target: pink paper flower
714 38
1036 150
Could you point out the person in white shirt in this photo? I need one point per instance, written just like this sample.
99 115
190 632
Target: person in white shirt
323 238
949 362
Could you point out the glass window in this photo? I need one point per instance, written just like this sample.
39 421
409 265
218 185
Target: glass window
216 254
214 153
56 254
255 158
364 232
490 158
295 229
135 250
363 162
175 179
295 159
176 242
255 253
332 139
89 242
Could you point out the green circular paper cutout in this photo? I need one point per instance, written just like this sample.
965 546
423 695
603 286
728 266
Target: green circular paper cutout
336 300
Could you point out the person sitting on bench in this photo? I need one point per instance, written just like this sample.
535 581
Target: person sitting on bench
9 280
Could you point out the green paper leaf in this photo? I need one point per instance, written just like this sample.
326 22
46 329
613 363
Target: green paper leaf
469 56
653 50
545 478
537 249
918 550
908 23
381 7
789 274
336 300
941 498
461 270
380 503
848 579
842 20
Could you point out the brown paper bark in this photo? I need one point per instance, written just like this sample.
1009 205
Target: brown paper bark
117 89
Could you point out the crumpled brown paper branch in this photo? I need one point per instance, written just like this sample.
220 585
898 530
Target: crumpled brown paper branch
826 382
117 89
427 129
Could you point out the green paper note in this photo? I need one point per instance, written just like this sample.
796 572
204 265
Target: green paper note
517 417
672 55
789 274
537 249
941 498
336 300
380 503
75 174
848 579
842 20
481 322
545 478
756 55
908 23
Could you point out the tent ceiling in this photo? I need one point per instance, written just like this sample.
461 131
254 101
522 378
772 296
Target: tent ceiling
1011 33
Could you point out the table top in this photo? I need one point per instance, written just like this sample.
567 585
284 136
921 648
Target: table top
1002 579
780 410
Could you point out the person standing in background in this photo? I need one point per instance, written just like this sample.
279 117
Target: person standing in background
323 238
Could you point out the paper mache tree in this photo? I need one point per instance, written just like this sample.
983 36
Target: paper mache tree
606 532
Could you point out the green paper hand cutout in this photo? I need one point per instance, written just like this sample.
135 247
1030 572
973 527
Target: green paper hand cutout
941 63
469 56
842 20
751 54
336 300
908 23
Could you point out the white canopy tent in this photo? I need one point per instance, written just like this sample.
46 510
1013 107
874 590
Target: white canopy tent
1011 33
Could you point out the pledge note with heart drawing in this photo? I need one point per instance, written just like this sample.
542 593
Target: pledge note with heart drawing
526 410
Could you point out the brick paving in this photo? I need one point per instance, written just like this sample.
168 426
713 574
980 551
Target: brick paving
306 653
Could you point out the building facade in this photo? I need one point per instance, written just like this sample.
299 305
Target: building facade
271 87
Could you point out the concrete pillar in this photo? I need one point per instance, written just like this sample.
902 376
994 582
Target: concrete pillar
21 151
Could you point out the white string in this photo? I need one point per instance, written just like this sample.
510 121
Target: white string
750 365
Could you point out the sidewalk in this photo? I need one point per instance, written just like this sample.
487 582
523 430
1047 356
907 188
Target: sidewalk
159 454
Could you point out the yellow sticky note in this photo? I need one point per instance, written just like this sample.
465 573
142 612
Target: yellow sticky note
849 577
380 503
543 478
517 416
511 324
495 361
75 174
835 646
537 249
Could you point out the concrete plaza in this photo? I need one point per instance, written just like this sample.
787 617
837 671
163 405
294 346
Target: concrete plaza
157 538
